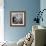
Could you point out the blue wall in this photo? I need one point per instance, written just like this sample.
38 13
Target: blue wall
43 6
30 6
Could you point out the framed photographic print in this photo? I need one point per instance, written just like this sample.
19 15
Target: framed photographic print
17 18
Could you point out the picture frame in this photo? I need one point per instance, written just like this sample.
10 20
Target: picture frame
17 18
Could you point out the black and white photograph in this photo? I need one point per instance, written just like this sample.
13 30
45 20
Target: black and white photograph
17 18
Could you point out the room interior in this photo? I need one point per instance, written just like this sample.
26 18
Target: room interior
18 35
